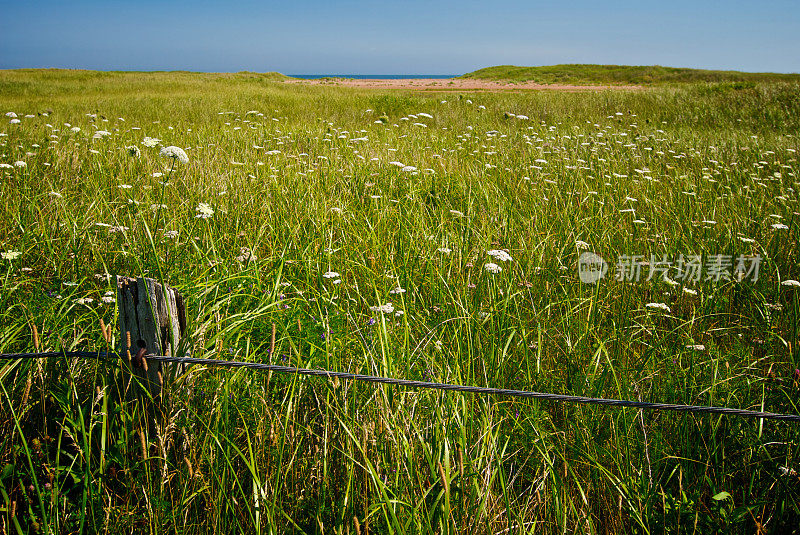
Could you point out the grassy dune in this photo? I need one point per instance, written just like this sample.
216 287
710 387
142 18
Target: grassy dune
307 210
625 74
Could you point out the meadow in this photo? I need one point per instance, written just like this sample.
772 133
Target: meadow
658 75
430 236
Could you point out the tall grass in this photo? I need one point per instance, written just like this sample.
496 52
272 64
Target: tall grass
708 169
628 74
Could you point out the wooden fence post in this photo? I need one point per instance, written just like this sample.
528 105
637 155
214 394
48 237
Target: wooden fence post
152 319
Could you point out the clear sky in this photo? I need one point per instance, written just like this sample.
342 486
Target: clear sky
397 37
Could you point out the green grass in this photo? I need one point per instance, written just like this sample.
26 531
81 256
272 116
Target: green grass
708 169
625 75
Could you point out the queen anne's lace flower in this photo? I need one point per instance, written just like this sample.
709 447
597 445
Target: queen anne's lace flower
492 268
204 211
175 153
499 255
658 306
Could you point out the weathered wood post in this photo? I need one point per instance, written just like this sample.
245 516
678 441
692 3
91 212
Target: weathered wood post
152 320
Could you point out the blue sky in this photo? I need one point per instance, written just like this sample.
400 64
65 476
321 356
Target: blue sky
413 37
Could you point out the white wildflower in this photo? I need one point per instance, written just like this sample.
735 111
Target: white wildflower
397 290
499 254
331 275
492 268
10 255
388 308
658 306
786 471
696 347
670 282
779 226
20 163
176 153
150 142
204 211
791 282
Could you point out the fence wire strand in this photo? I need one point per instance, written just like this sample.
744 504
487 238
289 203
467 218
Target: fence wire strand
420 384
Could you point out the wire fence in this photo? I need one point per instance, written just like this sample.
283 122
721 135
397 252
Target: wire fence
695 409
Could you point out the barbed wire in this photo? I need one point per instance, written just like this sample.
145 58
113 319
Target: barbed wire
420 384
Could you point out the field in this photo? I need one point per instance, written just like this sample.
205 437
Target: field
625 74
357 225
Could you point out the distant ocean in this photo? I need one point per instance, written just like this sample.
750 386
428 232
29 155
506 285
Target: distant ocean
374 76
